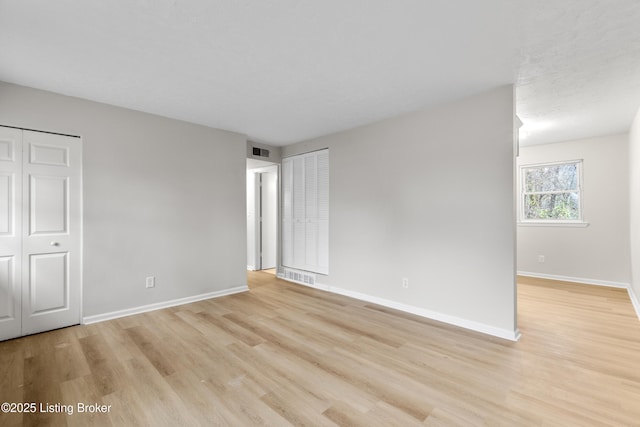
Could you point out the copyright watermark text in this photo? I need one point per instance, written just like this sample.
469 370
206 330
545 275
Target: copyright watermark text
54 408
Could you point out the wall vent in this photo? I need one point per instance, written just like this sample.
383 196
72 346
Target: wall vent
300 277
260 152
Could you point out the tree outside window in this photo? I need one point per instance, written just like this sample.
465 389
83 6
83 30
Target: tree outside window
551 192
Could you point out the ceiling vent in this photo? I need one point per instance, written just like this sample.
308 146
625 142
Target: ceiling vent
260 152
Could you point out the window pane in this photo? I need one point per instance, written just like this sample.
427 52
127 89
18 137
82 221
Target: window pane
552 206
552 178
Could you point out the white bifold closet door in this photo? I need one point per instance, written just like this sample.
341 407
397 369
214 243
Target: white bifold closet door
40 231
305 212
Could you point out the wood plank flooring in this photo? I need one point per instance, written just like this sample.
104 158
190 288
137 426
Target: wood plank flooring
283 354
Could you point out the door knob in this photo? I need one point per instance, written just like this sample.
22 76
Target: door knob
55 244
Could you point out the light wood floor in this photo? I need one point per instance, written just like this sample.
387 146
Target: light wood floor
285 354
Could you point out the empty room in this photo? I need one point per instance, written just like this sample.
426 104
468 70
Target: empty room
336 213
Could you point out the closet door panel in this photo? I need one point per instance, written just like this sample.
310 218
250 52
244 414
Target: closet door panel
287 213
51 256
10 233
305 220
9 296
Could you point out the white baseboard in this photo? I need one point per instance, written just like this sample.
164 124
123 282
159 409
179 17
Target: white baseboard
634 298
433 315
575 279
87 320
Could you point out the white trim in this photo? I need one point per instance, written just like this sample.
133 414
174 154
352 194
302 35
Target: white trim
580 280
634 300
553 224
157 306
556 163
433 315
622 285
81 219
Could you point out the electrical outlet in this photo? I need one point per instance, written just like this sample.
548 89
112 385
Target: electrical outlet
405 282
540 258
150 282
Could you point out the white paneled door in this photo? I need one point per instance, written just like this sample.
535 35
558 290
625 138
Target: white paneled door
305 212
10 233
40 231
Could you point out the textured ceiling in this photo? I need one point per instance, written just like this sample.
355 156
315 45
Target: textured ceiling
285 70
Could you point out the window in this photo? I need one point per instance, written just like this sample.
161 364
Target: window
551 193
305 212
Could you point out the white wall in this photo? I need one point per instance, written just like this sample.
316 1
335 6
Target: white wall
634 198
596 253
161 197
428 196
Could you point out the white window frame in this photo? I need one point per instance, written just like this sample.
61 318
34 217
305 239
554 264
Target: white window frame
579 222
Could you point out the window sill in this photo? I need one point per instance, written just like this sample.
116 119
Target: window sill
553 224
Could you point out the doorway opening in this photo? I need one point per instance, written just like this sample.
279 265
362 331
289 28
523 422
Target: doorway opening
262 215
